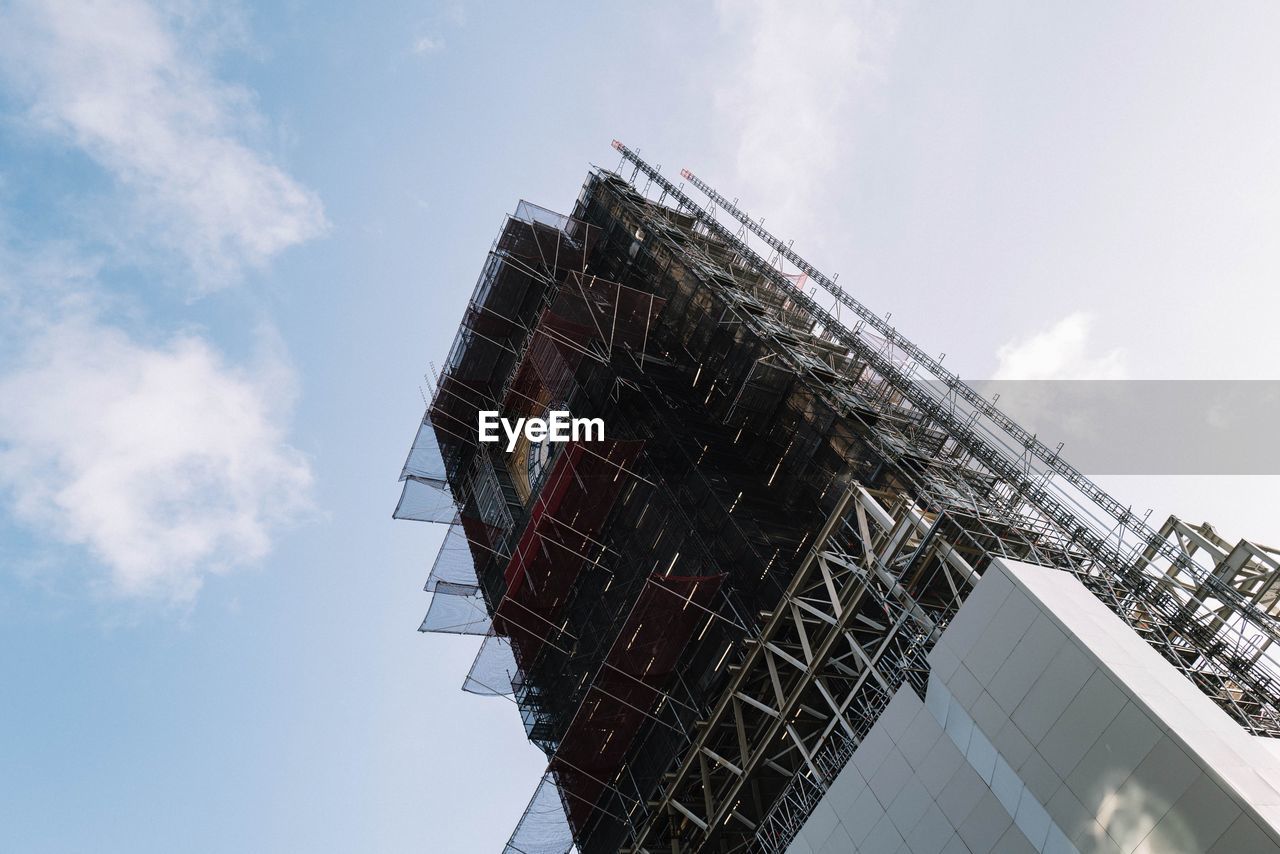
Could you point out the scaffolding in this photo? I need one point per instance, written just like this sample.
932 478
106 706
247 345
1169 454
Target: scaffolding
701 615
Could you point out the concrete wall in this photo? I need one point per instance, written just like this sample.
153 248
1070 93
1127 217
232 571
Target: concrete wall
1049 725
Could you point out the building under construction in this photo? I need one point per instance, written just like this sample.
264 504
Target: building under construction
730 622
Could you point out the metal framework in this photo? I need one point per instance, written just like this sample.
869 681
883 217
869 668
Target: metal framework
963 413
1181 605
854 625
701 617
1250 569
1211 585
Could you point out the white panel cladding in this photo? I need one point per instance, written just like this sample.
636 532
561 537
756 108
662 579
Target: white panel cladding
1107 737
1048 725
909 788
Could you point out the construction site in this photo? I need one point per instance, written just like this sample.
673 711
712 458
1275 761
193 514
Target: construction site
703 615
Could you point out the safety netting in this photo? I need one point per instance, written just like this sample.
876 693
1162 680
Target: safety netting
545 376
456 609
544 828
559 539
617 316
586 309
454 563
546 239
628 686
425 501
426 496
522 355
493 669
424 461
457 603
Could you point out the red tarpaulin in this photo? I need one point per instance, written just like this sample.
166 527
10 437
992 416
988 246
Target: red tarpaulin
628 687
579 492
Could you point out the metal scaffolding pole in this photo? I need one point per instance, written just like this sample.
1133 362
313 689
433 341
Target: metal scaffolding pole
1050 457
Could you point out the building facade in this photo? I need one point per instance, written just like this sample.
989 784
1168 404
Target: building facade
712 615
1048 725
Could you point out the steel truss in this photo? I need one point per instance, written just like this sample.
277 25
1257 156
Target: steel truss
742 351
1108 540
993 487
867 604
1049 457
1249 569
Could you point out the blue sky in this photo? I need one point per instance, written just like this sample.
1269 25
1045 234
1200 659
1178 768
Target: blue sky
232 238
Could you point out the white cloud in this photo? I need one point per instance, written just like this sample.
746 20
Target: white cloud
790 93
117 82
1064 351
427 44
165 461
